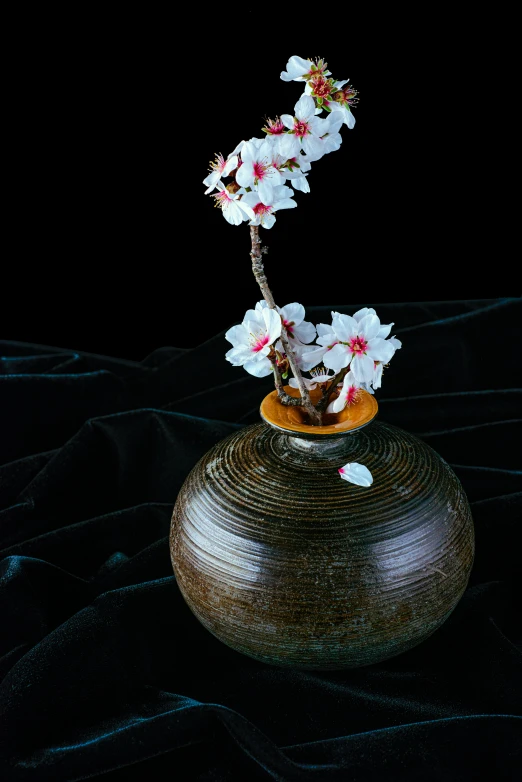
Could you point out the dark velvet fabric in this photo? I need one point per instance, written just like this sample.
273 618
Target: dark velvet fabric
105 673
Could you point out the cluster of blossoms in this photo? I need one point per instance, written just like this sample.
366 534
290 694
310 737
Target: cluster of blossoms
260 167
346 357
358 347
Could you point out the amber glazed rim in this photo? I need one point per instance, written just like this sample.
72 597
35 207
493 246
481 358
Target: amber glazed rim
290 419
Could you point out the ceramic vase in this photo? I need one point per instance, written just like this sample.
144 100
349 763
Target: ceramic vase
285 562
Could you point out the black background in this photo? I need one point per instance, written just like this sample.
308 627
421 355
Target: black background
117 250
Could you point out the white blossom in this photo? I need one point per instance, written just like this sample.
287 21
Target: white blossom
298 69
305 130
234 210
264 208
256 170
252 340
347 396
358 346
293 316
220 167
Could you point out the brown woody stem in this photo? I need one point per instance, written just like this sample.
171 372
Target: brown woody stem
256 254
323 402
284 398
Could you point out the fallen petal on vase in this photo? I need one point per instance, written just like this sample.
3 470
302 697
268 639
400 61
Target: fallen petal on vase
356 473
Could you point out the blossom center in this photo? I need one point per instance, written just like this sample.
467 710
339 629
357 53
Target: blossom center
358 345
289 326
259 342
222 198
262 209
259 171
301 128
346 96
321 87
274 127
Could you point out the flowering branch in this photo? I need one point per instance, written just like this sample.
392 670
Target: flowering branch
272 339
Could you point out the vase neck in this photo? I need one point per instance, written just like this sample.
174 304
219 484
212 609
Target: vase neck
320 447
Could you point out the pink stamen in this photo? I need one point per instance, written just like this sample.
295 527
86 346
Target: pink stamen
259 171
358 345
301 128
260 344
340 470
289 327
222 198
262 209
321 86
219 163
351 395
274 127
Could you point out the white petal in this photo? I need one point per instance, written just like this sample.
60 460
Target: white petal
337 358
332 143
237 150
289 145
246 209
304 109
369 326
266 193
284 203
230 165
380 350
260 368
237 335
273 324
395 342
296 67
287 120
233 214
339 403
293 312
211 181
323 329
359 315
384 330
267 221
344 326
245 176
311 358
301 183
248 153
362 368
305 332
349 380
356 473
253 315
314 147
238 356
377 376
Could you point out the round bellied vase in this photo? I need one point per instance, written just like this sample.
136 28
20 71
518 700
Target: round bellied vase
285 562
